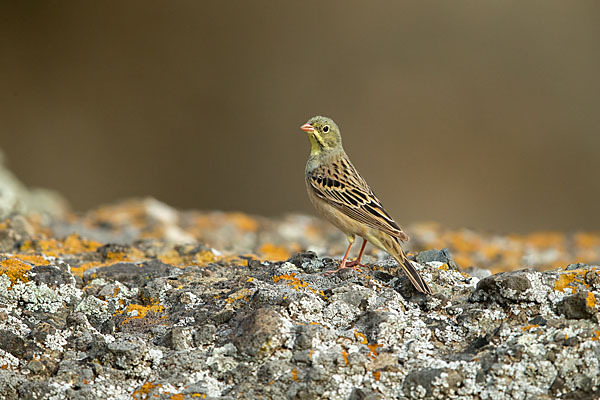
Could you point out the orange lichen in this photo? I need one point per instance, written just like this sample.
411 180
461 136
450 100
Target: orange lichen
177 396
33 259
112 257
294 373
120 256
373 349
144 390
140 311
377 375
201 258
586 240
507 252
271 252
78 271
345 355
15 269
363 340
490 251
243 294
590 300
361 337
291 280
72 244
463 242
243 222
462 260
567 279
171 257
204 258
545 240
297 283
528 327
319 292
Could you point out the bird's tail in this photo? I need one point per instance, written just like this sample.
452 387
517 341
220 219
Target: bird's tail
392 246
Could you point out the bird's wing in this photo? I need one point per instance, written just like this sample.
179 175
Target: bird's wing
340 185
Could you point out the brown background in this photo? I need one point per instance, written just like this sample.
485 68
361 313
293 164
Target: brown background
476 114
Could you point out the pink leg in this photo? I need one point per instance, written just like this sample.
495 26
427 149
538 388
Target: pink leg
360 253
344 264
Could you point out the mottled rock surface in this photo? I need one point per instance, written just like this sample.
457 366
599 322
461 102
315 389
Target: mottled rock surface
138 300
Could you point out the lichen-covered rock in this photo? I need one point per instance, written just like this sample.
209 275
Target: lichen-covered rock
578 306
261 333
145 316
515 286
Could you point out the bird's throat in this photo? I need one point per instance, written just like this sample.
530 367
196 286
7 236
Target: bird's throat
316 144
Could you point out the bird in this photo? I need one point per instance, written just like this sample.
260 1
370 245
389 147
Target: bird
341 195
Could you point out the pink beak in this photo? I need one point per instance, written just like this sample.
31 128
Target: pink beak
307 127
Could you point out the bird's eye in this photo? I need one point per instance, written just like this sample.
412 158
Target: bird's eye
326 129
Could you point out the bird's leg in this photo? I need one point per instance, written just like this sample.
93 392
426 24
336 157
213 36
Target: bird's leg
360 253
343 264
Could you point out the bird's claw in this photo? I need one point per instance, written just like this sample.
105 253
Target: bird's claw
354 265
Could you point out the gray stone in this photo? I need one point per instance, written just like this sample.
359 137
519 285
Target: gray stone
575 307
421 379
12 343
51 275
442 256
259 334
504 287
129 273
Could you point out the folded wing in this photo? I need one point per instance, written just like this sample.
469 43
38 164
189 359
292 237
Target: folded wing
340 184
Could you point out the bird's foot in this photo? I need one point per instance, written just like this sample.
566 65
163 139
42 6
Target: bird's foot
355 265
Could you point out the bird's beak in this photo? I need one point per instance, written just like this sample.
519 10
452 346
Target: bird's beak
307 127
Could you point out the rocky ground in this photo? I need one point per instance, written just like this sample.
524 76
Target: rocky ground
139 300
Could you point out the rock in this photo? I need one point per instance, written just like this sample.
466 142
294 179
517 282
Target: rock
506 287
419 384
577 306
204 334
442 256
260 333
364 394
12 343
51 276
369 322
131 272
131 314
17 229
181 338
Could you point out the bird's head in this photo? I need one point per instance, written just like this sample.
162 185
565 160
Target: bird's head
323 133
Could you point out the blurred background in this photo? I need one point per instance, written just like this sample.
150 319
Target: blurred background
472 114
